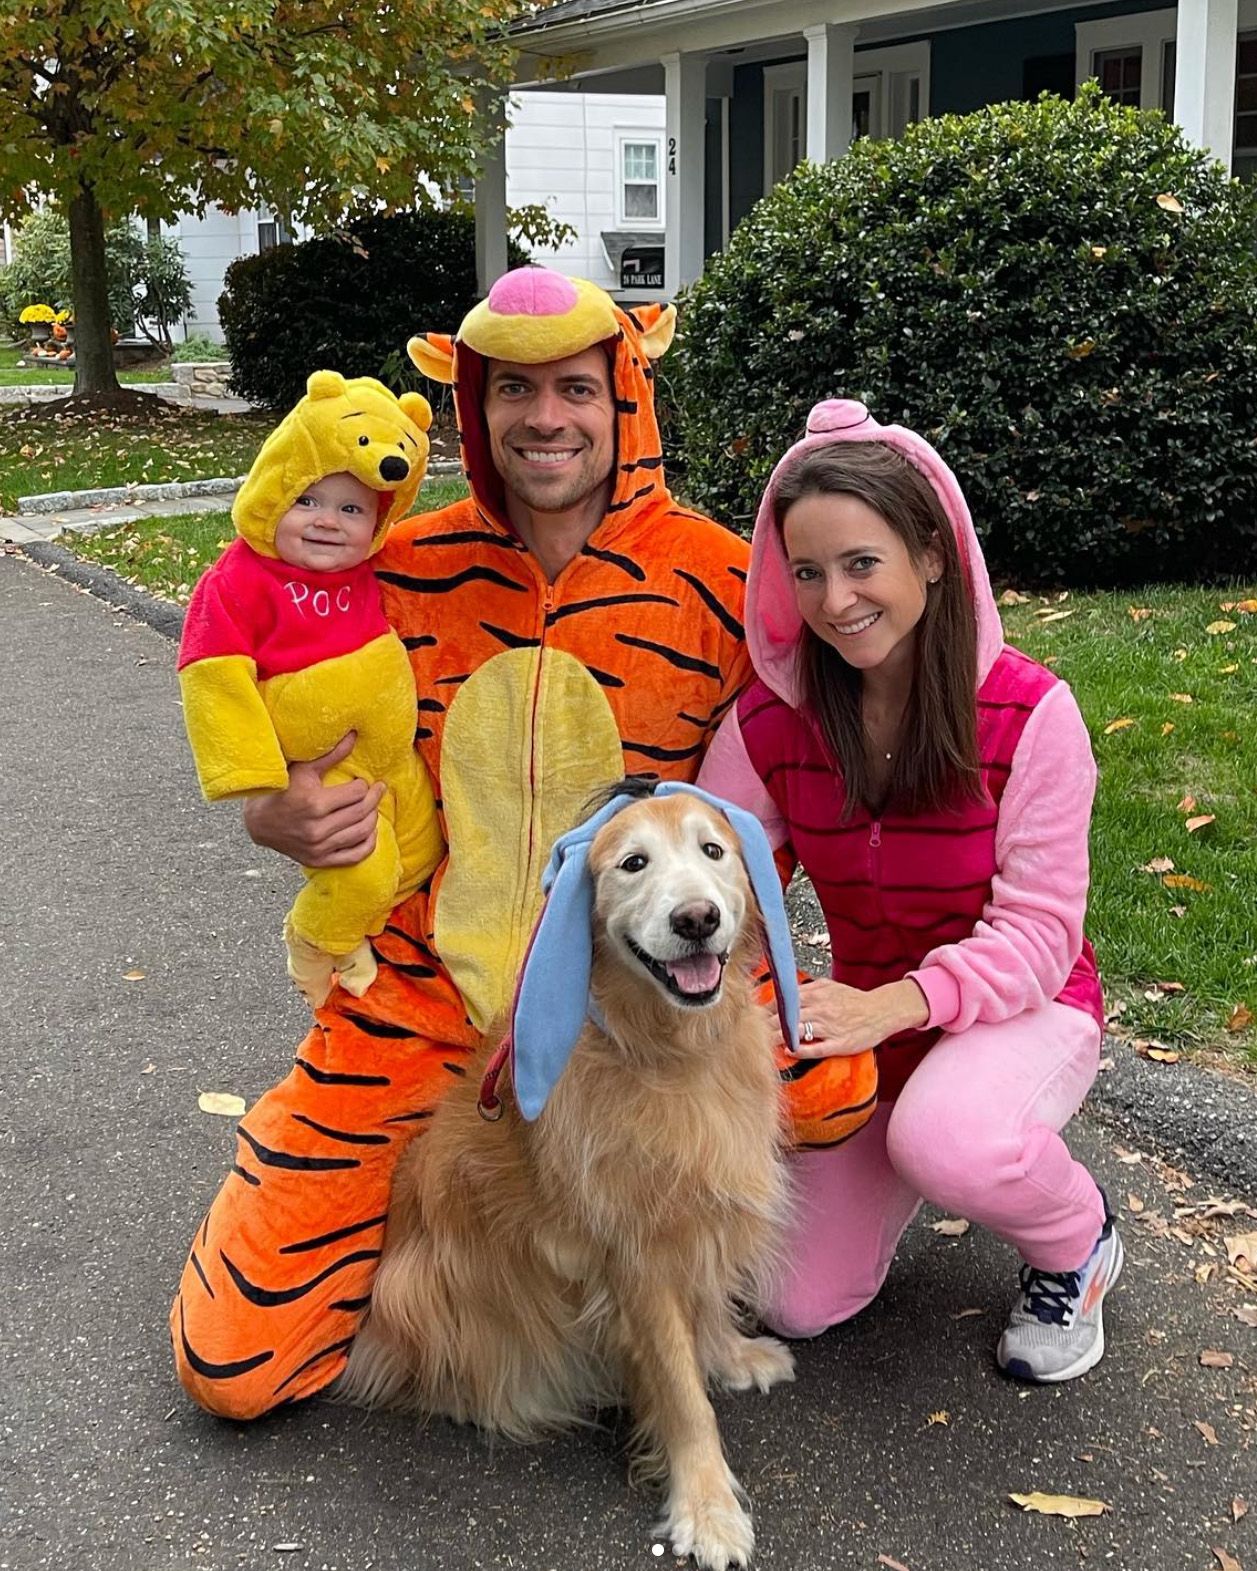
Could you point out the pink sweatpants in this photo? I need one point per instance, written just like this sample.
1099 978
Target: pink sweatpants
976 1131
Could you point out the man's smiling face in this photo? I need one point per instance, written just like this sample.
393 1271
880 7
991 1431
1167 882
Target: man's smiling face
552 428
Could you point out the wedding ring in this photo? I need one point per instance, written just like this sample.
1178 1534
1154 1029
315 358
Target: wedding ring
809 1035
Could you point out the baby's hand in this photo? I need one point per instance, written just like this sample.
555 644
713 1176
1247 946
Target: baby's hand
315 824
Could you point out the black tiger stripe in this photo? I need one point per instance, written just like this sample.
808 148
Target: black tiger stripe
380 1028
423 732
441 586
726 619
694 720
276 1297
663 754
604 678
614 559
399 932
348 1136
431 706
511 640
333 1078
352 1306
672 656
575 607
625 406
200 1271
333 1238
648 371
724 704
620 507
655 461
451 681
636 321
410 1118
342 1346
738 572
419 641
470 537
455 1069
869 1103
210 1371
423 972
296 1164
249 1178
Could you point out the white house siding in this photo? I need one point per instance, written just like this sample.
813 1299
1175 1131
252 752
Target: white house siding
563 150
210 244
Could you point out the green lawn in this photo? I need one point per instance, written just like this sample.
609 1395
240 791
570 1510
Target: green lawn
167 555
12 376
1134 660
1172 710
45 452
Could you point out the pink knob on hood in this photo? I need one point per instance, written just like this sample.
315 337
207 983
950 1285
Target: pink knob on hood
532 291
836 414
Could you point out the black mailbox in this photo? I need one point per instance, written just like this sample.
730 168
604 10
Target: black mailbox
641 267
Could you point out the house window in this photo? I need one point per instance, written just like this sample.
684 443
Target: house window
1246 94
1120 74
639 181
866 96
272 232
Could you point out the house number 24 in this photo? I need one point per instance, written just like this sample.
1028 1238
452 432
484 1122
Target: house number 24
672 155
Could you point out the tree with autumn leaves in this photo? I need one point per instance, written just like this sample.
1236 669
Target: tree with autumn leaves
160 107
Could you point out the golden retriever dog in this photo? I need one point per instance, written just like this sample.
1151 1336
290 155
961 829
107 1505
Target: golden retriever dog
535 1272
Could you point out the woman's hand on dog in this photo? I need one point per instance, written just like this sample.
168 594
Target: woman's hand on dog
316 824
846 1020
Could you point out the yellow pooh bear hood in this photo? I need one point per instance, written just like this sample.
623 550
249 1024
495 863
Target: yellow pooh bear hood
353 426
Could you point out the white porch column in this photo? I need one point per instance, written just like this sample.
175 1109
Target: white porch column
685 88
830 85
1204 74
491 217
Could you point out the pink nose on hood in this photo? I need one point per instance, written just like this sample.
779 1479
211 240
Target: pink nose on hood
772 618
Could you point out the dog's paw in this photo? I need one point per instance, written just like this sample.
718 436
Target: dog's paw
754 1362
716 1533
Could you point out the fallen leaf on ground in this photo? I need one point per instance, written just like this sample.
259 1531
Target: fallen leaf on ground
1139 613
222 1103
1159 864
1105 1065
1226 670
1118 725
1241 1250
1134 1203
951 1227
1060 1505
1186 881
1166 727
1207 1430
1053 616
1200 821
965 1314
941 1417
1240 1018
892 1565
1014 597
1129 1158
1248 607
1226 1562
1239 1509
1246 1314
1171 987
1168 203
1158 1054
1178 910
1182 698
1220 627
1187 804
133 976
1211 1358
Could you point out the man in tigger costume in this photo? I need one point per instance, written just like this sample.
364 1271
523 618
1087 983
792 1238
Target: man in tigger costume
568 624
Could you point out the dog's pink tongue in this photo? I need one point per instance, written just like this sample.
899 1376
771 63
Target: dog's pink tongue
697 974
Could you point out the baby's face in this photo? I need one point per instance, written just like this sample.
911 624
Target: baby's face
330 526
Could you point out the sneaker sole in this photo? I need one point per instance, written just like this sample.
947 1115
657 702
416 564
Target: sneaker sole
1018 1369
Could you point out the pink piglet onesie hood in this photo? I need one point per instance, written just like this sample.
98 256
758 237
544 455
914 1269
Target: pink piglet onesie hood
981 904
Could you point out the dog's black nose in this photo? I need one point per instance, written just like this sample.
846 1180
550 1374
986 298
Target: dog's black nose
699 919
394 468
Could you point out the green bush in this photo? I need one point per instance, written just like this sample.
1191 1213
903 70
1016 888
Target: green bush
198 347
347 303
1062 296
40 269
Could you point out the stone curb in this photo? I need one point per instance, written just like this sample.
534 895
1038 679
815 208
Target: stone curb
66 501
1189 1115
47 392
170 491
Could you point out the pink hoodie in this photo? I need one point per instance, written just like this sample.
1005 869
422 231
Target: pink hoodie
1008 877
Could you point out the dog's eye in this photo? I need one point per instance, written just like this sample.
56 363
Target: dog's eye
714 851
634 863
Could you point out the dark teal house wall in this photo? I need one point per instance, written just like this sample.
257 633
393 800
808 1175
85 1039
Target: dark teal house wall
973 66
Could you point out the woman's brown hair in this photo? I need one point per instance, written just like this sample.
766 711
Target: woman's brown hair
936 763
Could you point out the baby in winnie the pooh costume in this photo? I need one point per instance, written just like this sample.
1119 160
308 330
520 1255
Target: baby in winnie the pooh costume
285 649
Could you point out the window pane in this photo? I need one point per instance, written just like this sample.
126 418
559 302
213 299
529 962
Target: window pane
1246 93
1168 60
1246 132
1120 72
641 161
1246 55
641 201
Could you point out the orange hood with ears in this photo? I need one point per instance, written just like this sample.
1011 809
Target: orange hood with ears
532 316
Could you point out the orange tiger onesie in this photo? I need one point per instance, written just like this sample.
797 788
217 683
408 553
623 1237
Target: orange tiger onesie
532 695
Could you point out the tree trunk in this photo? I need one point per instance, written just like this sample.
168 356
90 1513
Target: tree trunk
94 374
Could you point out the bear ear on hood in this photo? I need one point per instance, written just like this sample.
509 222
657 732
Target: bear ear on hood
659 323
417 407
326 384
433 354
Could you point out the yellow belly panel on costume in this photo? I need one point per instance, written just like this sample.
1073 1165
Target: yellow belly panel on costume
528 739
370 690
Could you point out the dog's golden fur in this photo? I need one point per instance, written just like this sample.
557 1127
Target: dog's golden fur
533 1273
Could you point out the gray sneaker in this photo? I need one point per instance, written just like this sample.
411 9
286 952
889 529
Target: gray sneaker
1056 1329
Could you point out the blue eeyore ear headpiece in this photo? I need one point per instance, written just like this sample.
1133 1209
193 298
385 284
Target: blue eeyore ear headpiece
552 997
